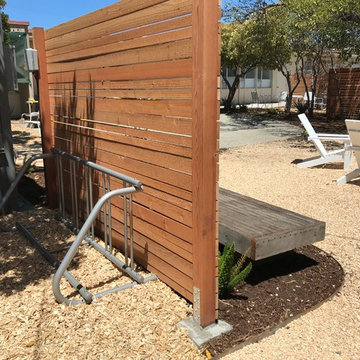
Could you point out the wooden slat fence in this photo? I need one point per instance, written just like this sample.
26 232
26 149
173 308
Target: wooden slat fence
134 87
321 88
344 88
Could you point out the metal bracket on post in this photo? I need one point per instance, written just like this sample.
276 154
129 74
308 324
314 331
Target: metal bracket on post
201 335
196 305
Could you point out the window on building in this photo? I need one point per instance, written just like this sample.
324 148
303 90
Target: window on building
264 78
255 78
248 81
308 67
230 75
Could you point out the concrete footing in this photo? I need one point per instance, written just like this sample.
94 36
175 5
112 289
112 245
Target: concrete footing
201 335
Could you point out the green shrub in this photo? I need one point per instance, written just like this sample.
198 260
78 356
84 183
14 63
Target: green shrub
31 168
304 134
230 274
273 111
301 106
243 109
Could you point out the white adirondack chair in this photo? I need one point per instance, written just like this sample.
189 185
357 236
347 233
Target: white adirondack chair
325 157
33 116
353 127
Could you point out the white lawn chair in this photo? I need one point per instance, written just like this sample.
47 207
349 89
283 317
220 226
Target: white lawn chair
353 127
325 157
32 116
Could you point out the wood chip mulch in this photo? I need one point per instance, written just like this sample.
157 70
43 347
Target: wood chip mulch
138 323
141 322
277 291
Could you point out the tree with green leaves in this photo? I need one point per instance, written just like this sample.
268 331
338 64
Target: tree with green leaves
237 54
297 32
279 48
329 32
4 22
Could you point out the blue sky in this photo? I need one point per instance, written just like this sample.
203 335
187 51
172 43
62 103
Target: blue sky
48 13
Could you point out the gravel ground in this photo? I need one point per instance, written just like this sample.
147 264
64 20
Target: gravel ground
266 172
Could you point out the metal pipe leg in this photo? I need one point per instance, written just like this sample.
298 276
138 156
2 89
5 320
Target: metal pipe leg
105 214
86 177
62 187
109 214
125 230
75 196
72 193
91 201
59 183
131 232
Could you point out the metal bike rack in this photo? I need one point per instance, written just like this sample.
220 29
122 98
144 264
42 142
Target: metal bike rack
87 232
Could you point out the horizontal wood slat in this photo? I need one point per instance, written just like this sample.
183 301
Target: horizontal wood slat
169 161
179 232
107 13
160 70
170 51
115 47
181 108
168 148
153 94
153 262
165 180
144 31
155 204
154 84
93 126
167 10
173 125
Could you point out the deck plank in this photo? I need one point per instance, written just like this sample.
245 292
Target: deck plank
267 229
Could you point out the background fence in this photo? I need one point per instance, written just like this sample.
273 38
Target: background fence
134 87
344 88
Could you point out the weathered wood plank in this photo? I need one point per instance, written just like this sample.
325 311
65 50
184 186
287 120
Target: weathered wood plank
268 230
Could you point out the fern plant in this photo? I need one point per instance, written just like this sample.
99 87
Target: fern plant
230 274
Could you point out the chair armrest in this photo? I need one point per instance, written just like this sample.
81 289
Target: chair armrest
342 137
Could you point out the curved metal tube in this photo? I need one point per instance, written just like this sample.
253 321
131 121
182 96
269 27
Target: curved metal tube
20 174
75 245
117 175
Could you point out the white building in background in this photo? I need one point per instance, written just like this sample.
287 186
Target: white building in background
268 84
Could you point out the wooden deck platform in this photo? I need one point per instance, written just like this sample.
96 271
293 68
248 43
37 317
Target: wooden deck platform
269 230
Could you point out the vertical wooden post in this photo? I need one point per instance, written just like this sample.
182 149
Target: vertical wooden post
46 127
205 154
